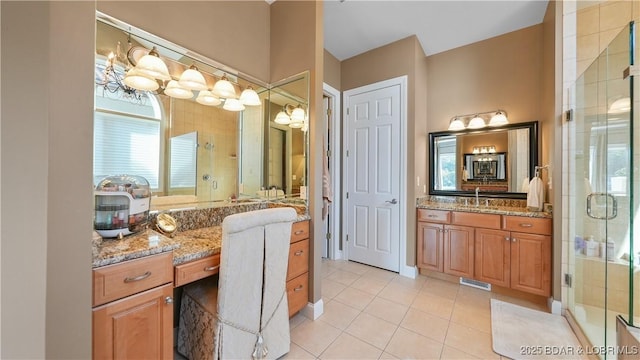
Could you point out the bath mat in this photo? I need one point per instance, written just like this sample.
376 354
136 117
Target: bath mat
522 333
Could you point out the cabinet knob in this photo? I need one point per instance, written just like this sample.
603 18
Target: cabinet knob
507 238
168 300
513 239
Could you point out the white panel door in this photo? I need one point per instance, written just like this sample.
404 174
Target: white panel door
373 177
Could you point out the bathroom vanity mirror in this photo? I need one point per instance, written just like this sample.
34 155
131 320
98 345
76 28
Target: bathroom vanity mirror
497 161
192 153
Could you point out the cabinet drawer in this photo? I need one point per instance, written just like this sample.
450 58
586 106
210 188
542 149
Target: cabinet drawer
527 224
298 259
487 221
299 231
298 293
116 281
439 216
198 269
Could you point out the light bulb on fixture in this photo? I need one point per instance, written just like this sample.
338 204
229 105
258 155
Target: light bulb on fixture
456 124
500 118
193 79
223 88
174 90
298 115
250 97
205 97
139 81
282 118
152 66
476 123
232 104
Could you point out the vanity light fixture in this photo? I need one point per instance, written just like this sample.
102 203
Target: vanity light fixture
174 90
205 97
152 66
476 150
232 104
478 120
456 124
192 79
282 118
138 81
297 117
223 88
250 97
499 118
476 123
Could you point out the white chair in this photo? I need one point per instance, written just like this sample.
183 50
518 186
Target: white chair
248 310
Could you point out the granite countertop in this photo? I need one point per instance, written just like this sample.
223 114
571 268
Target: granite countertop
186 245
501 210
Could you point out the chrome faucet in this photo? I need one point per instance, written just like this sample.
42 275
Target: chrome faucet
477 200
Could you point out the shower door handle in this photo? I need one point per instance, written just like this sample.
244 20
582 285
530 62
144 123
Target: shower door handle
614 207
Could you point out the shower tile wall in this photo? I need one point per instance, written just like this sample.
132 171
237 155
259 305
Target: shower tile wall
218 145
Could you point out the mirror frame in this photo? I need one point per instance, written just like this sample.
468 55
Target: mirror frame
533 158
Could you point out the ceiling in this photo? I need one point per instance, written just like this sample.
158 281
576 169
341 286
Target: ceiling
352 27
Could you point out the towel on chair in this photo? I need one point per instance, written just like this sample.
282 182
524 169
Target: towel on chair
535 196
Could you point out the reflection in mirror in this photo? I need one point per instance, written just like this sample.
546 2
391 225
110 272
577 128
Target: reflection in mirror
163 137
286 170
498 161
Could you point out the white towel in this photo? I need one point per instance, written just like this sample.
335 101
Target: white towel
525 184
535 195
465 174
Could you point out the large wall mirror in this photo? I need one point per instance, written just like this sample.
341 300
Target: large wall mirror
498 161
194 152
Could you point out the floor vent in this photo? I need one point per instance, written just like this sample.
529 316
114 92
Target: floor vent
475 284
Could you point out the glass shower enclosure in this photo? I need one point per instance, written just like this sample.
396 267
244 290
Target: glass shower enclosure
603 172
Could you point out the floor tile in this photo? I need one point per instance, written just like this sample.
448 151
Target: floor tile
296 320
406 344
425 324
354 298
433 304
380 274
349 347
386 310
338 314
353 267
387 356
314 336
343 277
372 330
331 288
449 353
296 352
370 285
441 288
476 317
415 284
472 341
398 293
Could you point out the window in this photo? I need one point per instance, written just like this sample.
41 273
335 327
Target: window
127 137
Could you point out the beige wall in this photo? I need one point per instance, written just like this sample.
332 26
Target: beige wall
234 33
331 70
46 282
403 57
46 178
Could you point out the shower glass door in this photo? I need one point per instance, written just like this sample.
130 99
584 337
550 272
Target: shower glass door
601 190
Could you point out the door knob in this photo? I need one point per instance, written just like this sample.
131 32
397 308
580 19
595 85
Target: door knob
393 201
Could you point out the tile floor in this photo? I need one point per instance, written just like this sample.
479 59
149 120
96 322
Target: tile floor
371 313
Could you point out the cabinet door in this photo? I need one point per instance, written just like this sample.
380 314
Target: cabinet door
531 263
430 241
136 327
493 256
458 250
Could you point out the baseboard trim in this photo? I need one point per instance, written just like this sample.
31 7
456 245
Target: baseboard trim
555 306
313 310
409 271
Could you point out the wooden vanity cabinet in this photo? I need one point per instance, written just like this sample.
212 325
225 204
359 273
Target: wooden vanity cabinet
444 247
298 268
133 309
503 250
